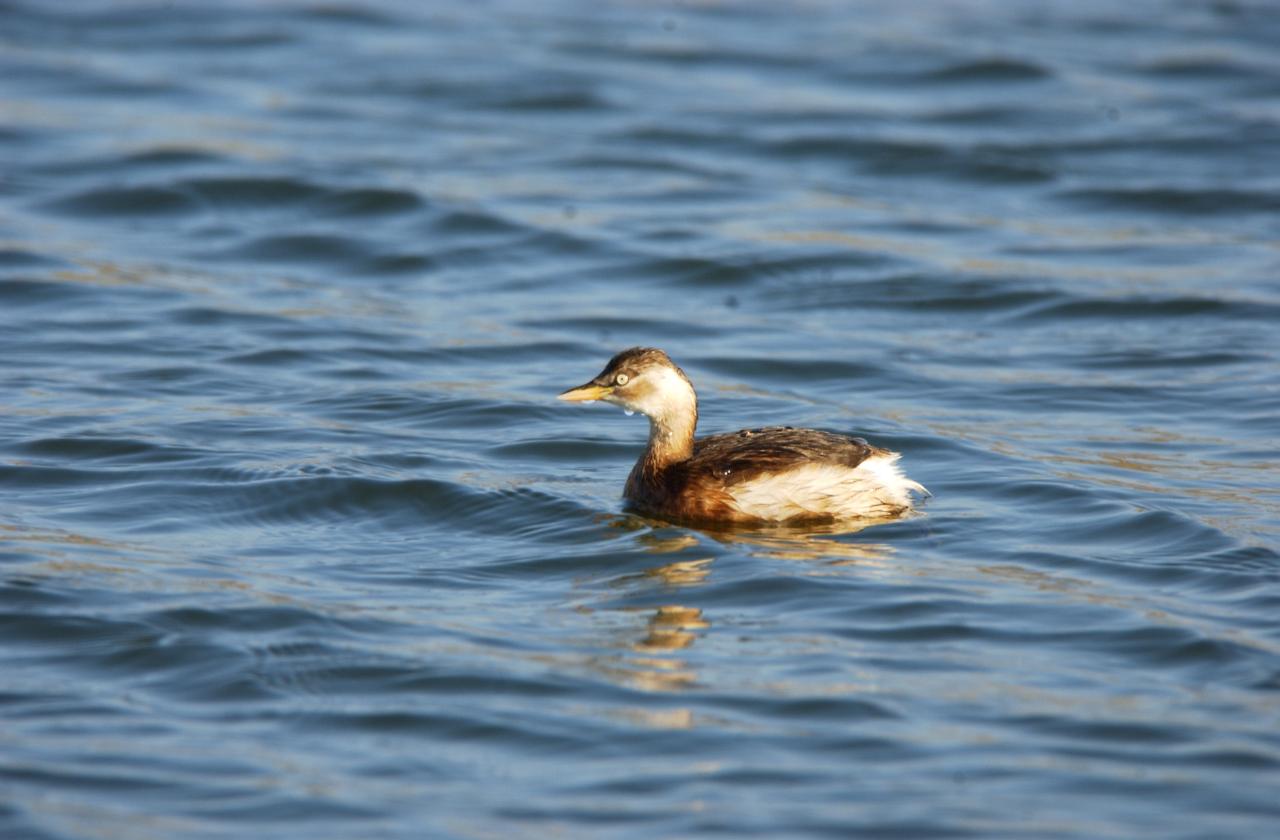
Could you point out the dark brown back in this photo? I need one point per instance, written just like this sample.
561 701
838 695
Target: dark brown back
750 453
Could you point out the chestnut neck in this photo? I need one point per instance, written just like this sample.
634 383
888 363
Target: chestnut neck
671 434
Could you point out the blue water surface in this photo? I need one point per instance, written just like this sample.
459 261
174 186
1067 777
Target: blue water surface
295 540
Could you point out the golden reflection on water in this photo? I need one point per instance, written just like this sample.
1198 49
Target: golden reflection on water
653 661
808 546
51 537
680 718
1052 239
804 542
658 543
670 629
64 556
1156 462
657 656
682 572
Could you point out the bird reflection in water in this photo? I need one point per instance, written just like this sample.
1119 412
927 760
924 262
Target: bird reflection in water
653 662
656 665
815 548
658 659
816 543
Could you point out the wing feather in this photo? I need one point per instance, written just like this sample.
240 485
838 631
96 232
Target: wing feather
750 453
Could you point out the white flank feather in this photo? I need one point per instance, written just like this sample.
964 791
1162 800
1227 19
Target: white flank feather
874 488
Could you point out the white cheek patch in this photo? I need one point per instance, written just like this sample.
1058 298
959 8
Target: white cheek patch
667 392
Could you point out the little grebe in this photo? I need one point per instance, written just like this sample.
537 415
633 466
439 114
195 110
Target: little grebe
776 474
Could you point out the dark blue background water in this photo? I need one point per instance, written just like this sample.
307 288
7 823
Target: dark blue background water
295 540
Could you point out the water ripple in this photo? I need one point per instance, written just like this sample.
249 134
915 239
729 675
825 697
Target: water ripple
294 529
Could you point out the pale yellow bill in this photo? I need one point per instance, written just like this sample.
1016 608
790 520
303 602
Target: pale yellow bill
584 393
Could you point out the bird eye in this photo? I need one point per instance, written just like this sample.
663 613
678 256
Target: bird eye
621 379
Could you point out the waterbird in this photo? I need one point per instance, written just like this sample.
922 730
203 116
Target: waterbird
778 474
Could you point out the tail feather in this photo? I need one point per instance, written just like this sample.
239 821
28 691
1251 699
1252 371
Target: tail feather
916 487
897 486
